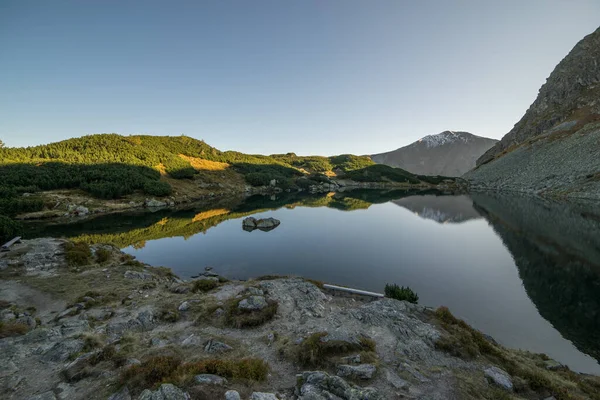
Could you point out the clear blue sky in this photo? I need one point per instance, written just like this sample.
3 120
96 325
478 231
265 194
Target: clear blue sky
313 77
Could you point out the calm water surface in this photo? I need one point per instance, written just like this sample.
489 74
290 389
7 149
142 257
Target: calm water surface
524 271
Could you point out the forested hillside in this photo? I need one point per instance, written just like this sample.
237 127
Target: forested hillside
110 166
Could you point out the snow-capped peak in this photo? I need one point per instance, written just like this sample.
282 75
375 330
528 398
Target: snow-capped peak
444 138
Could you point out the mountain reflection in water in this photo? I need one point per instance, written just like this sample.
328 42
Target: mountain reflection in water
525 270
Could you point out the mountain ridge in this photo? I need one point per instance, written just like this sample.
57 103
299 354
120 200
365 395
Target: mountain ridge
449 153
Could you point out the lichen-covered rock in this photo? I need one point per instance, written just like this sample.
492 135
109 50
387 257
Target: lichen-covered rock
318 385
362 371
232 395
499 377
253 303
214 346
122 394
210 379
166 391
263 396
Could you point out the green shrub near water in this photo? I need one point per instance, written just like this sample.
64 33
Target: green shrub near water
78 254
394 291
9 229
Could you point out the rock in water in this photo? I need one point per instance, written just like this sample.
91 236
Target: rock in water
266 224
499 377
249 223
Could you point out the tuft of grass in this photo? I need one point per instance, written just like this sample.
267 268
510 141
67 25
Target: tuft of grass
5 304
204 285
163 369
169 315
102 255
238 318
394 291
78 253
10 329
313 351
315 282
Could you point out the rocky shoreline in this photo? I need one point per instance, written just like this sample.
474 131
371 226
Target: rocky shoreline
93 323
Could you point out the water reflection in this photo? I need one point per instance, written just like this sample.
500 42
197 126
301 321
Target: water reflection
531 281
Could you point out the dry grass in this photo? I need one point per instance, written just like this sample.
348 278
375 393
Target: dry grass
531 378
10 329
313 351
170 369
238 318
102 255
206 165
209 214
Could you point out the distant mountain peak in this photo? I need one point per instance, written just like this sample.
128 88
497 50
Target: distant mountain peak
445 137
449 153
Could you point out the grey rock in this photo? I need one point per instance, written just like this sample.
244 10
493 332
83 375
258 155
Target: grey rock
28 321
77 369
185 306
166 391
49 395
263 396
395 380
158 342
74 327
499 377
69 312
219 312
61 351
64 391
232 395
267 224
255 291
180 289
153 203
122 394
249 222
253 303
138 275
14 382
8 368
318 385
362 371
132 362
214 346
210 379
97 314
553 365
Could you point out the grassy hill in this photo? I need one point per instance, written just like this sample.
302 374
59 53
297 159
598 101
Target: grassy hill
111 166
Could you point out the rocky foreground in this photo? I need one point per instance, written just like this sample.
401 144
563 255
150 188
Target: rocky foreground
93 323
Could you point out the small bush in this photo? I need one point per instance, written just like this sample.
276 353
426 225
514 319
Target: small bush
78 254
204 285
157 188
9 329
9 229
102 255
394 291
238 318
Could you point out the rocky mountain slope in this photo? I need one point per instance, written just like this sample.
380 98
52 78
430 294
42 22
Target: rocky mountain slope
144 334
555 148
449 153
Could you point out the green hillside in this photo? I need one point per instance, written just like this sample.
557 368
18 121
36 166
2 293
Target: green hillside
111 166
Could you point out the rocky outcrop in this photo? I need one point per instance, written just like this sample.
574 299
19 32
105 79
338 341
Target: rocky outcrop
553 149
448 153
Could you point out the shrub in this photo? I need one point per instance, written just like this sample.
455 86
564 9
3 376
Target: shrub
168 315
204 285
102 255
157 188
394 291
259 178
239 318
9 228
78 253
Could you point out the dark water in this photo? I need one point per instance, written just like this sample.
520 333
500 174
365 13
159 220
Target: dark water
525 271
